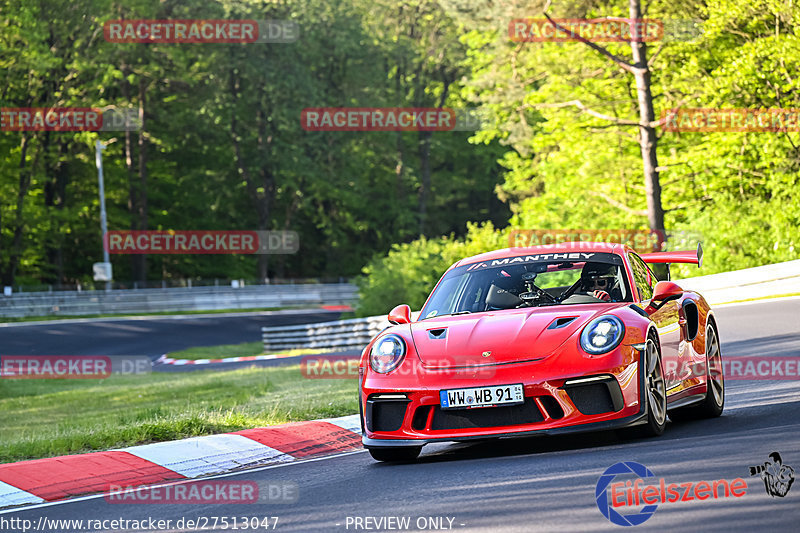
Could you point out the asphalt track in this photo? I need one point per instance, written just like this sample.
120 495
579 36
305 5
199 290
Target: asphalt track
545 483
150 336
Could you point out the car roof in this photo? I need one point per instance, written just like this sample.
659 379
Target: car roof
562 247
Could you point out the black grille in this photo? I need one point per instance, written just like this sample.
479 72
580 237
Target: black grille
486 417
596 397
421 417
385 415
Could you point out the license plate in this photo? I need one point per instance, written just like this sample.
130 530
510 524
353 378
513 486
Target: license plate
481 396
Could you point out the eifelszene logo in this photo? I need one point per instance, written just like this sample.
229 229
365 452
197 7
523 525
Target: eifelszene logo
632 494
778 477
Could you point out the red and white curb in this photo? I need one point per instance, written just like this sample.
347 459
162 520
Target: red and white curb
57 478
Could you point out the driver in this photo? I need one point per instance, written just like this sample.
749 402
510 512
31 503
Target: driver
598 280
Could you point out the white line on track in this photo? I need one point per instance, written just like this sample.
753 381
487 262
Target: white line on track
767 299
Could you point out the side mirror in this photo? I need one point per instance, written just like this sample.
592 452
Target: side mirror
667 290
664 292
400 315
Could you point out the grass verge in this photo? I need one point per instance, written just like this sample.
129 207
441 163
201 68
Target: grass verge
235 350
219 352
44 418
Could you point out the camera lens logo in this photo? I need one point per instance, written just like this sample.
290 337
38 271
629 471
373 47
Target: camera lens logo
778 477
603 502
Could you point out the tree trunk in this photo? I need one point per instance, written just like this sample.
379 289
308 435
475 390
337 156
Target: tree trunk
133 194
399 170
25 175
291 209
400 167
425 175
141 259
261 201
647 133
55 193
425 160
267 182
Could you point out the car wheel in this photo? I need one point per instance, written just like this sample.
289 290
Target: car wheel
395 455
655 391
714 401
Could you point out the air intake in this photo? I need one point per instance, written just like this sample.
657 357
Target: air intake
439 333
511 415
596 395
561 322
385 414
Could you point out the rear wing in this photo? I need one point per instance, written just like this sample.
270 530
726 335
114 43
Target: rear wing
695 257
660 261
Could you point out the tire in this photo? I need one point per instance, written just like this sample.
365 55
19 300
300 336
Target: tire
395 455
714 402
656 393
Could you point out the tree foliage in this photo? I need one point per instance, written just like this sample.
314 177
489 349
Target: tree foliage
566 168
222 145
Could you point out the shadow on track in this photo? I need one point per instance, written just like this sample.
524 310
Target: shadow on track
767 411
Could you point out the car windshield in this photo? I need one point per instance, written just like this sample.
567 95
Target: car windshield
530 281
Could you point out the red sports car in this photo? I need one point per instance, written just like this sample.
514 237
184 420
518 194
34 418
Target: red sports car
547 339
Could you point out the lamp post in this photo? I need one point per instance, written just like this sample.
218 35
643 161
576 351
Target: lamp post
106 269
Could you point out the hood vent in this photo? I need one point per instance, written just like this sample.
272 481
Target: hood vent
561 322
439 333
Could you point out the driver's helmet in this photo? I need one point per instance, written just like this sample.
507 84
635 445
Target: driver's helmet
598 276
510 278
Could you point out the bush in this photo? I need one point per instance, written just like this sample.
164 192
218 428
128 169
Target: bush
733 238
408 273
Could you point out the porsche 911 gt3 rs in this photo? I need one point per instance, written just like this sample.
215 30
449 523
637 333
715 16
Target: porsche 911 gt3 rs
548 339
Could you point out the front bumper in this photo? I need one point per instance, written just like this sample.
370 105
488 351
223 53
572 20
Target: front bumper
555 402
633 420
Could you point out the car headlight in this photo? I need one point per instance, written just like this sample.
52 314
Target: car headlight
387 353
602 334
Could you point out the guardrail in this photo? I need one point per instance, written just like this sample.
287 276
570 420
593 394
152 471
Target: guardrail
67 303
351 334
746 284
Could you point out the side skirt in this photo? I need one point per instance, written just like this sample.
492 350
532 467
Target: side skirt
688 400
